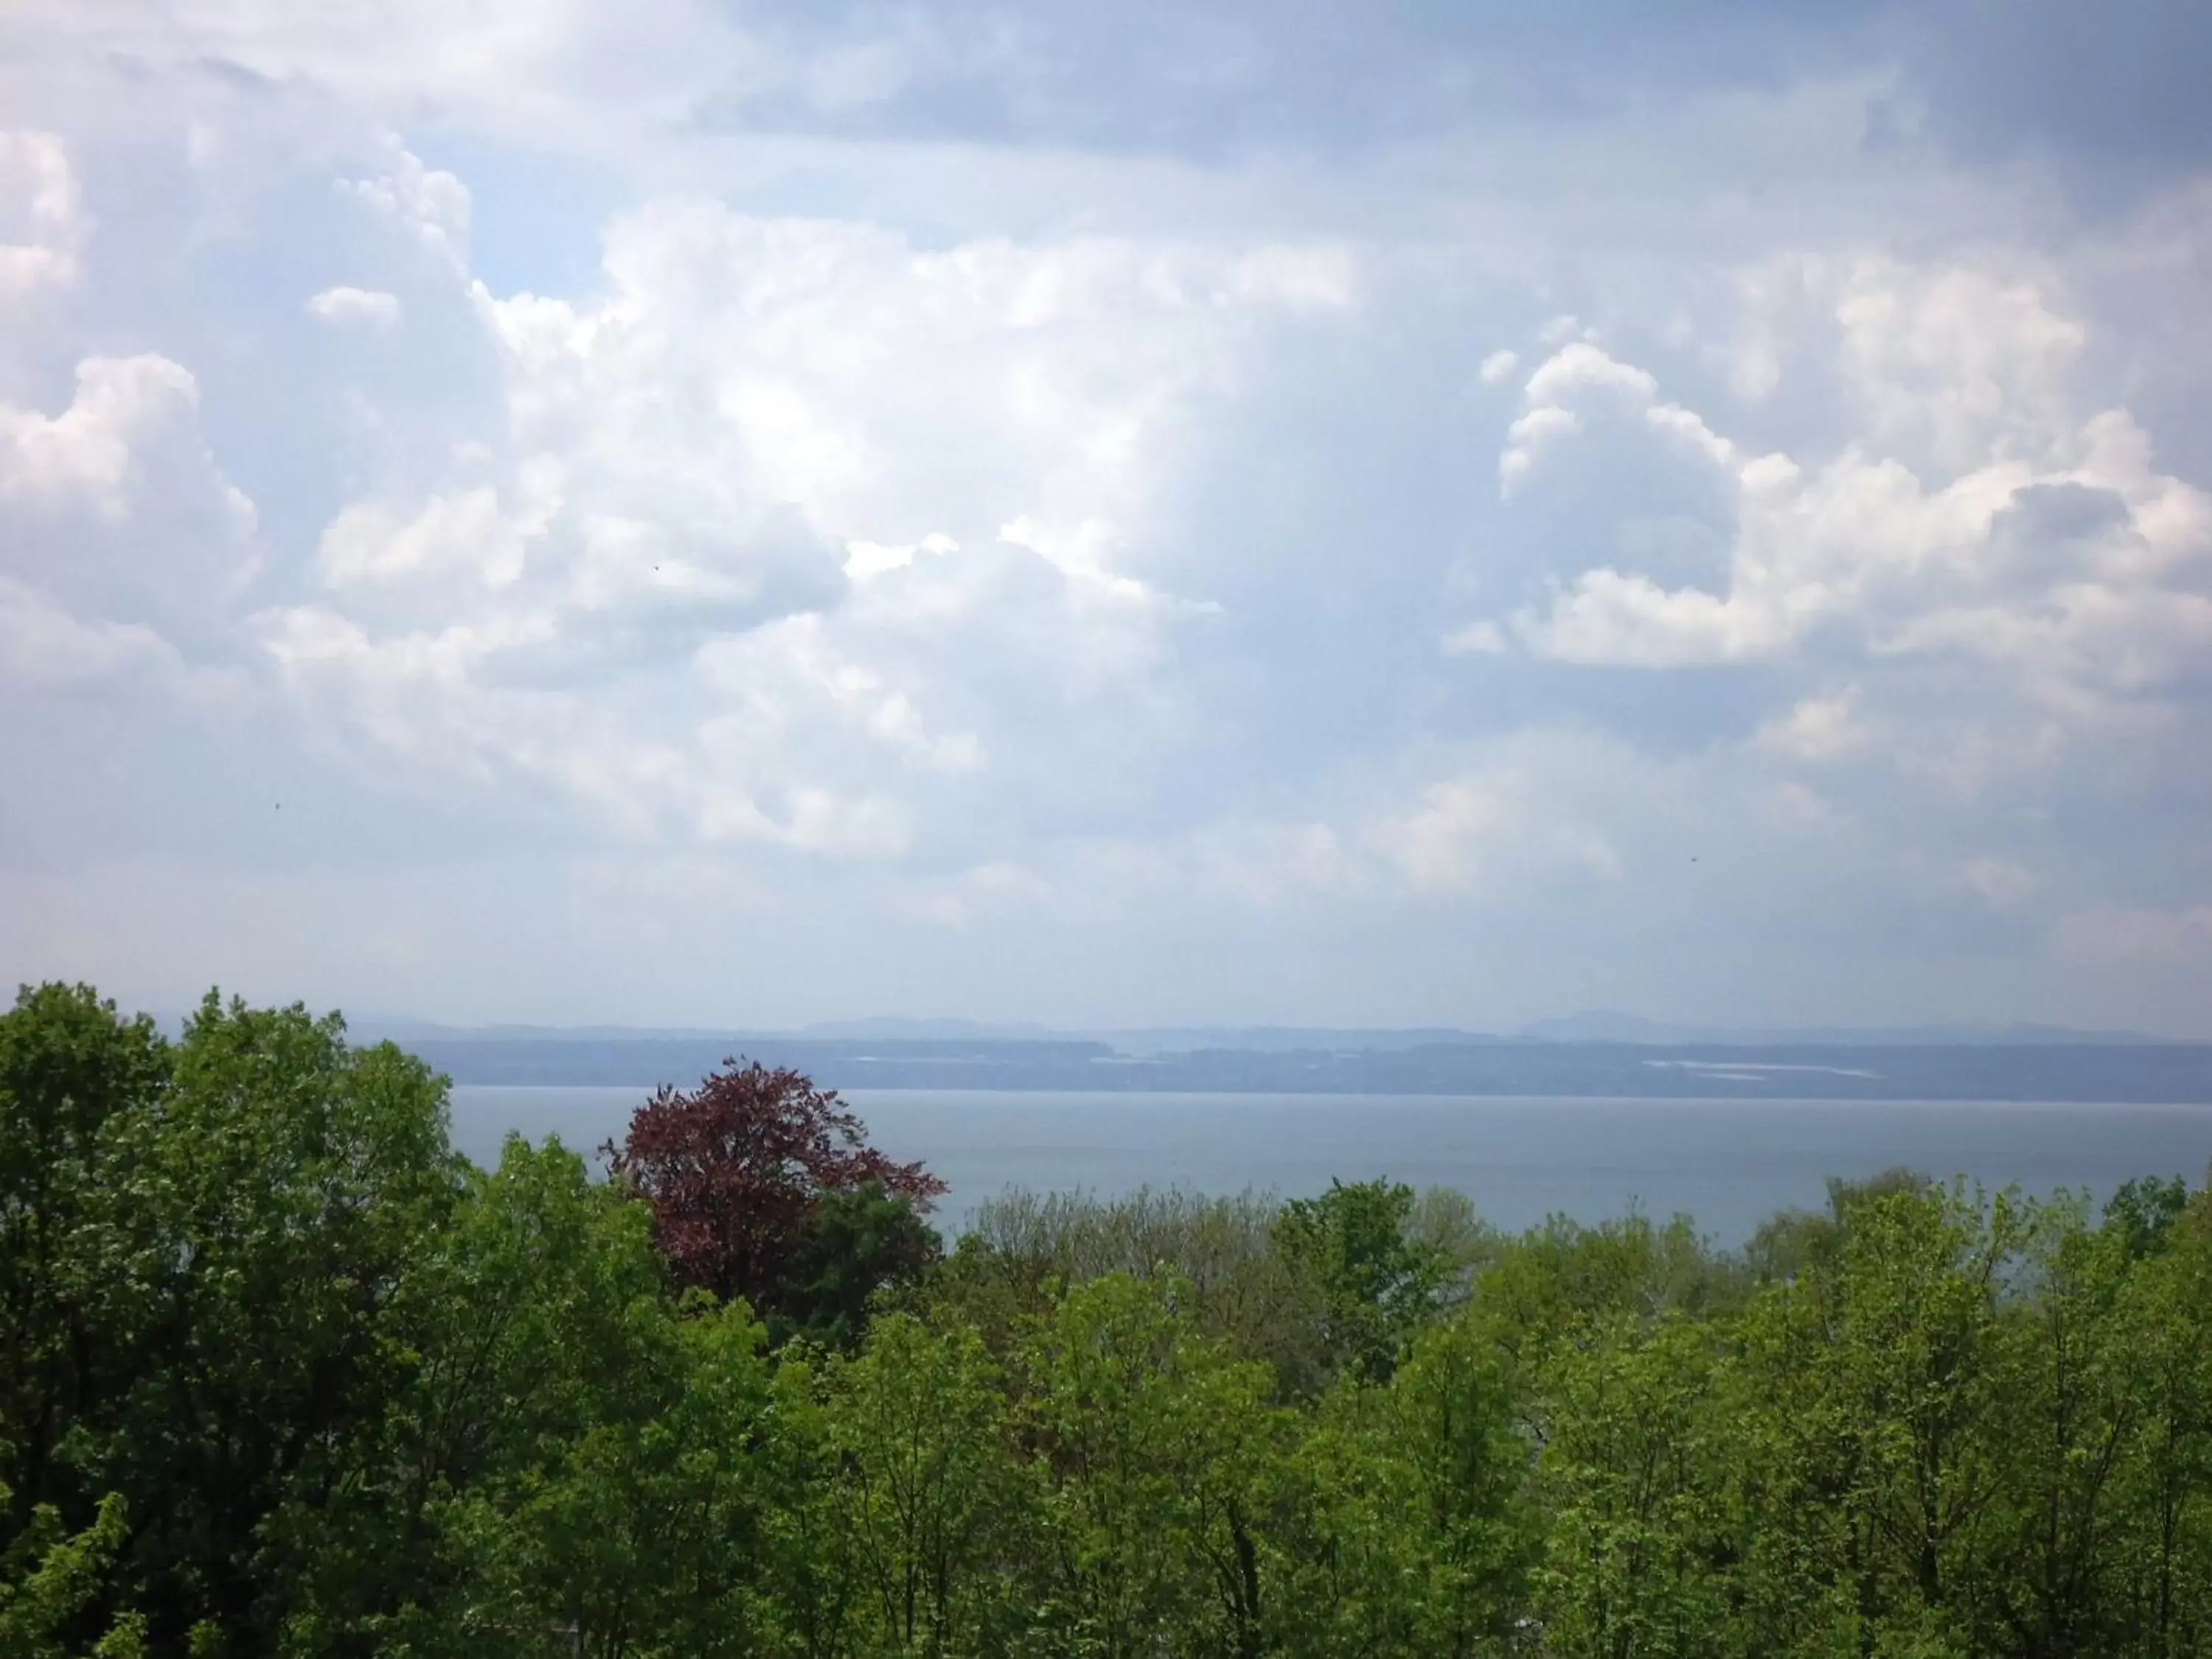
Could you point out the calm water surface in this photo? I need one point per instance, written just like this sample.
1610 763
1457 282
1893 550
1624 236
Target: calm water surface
1729 1163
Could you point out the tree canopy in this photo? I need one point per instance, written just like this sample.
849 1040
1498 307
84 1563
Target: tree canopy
283 1374
763 1188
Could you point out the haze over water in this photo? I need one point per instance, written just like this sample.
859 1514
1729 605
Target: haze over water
1729 1163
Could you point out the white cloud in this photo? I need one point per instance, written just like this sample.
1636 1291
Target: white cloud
427 205
42 220
44 647
1069 529
711 487
1960 363
85 454
1526 438
1580 374
1610 619
465 532
1539 812
1582 366
1481 637
1817 728
865 561
1318 279
357 306
2052 551
1439 843
117 525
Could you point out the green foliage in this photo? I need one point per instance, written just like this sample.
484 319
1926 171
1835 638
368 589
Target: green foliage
2143 1213
860 1243
48 1580
1633 1477
73 1079
283 1376
1379 1282
1237 1286
927 1493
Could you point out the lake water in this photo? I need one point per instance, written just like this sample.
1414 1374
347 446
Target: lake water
1728 1163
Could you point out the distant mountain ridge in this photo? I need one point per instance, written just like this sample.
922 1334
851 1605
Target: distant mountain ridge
1600 1026
1591 1054
1605 1026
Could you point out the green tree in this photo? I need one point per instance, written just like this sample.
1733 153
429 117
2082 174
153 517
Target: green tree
270 1214
209 1242
1879 1399
928 1487
1155 1447
1409 1528
74 1076
640 1535
1240 1287
538 1313
1377 1284
48 1580
2163 1541
1634 1477
860 1243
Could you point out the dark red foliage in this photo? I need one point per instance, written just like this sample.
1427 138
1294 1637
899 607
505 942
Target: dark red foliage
736 1169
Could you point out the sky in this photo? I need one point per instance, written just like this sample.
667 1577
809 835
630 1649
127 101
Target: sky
1353 513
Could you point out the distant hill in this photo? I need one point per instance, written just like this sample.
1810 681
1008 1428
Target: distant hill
1594 1026
1148 1040
1588 1053
2176 1072
923 1031
1283 1039
1600 1026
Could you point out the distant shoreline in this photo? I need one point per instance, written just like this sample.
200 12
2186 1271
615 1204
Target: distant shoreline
2174 1074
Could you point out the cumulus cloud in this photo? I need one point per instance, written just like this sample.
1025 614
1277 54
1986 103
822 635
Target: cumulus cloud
427 205
1539 812
42 220
1576 376
85 495
846 517
44 648
1481 636
357 307
2052 548
865 561
1817 728
1089 525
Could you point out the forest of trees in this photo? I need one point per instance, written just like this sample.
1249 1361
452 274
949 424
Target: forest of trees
281 1373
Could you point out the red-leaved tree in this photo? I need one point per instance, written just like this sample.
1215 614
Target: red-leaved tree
739 1171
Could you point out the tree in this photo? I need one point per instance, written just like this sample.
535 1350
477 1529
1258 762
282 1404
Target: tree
1241 1288
1155 1447
537 1315
72 1076
1377 1284
206 1244
2144 1211
859 1242
47 1580
753 1175
925 1482
1407 1529
1633 1470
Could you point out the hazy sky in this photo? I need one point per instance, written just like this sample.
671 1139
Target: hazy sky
684 512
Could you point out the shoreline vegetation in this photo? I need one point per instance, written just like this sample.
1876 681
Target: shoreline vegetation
284 1374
